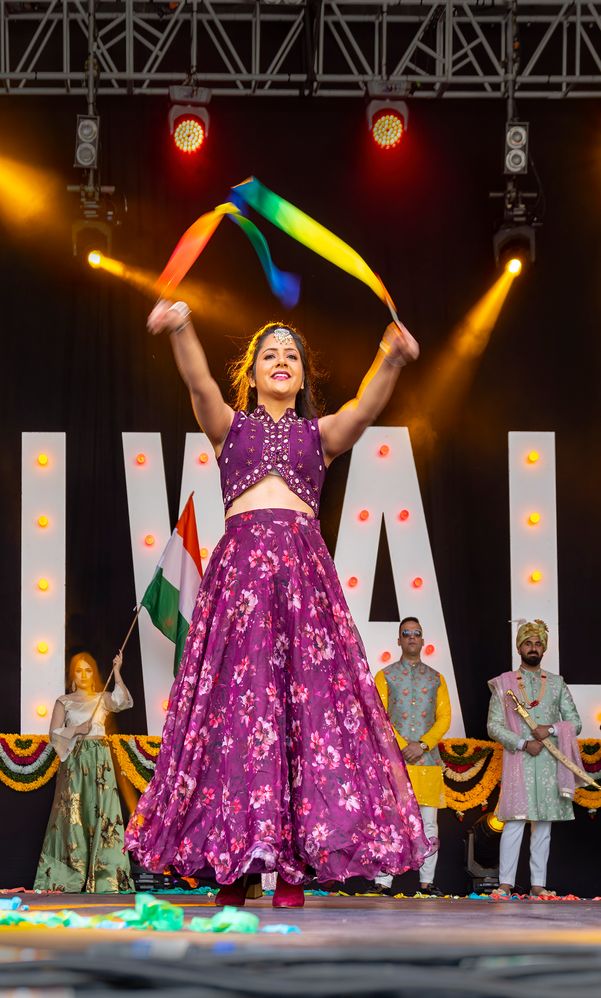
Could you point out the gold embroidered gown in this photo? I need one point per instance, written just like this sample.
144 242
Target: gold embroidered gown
83 845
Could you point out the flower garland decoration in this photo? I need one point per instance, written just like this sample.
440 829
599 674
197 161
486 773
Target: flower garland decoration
471 767
27 762
136 755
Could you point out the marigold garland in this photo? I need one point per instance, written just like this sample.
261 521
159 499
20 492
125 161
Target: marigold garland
28 762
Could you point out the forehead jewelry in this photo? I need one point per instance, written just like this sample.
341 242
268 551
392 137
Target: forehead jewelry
283 336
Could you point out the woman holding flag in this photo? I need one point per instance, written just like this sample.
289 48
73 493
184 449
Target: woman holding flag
277 754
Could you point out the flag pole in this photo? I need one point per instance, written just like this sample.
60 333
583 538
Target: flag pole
120 652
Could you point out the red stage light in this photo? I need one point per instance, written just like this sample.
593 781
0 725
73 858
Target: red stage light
387 129
352 582
189 133
364 515
384 450
385 656
404 514
203 458
417 583
429 650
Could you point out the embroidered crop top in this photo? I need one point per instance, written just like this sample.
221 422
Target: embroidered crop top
256 446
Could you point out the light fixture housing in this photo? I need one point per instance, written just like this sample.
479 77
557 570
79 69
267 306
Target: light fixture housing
514 242
388 120
516 148
87 137
188 117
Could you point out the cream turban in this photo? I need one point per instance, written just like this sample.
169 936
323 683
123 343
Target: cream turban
532 629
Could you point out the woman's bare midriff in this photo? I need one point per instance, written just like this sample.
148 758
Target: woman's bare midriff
270 493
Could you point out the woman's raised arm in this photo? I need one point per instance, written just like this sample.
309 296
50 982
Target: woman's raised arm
342 429
211 410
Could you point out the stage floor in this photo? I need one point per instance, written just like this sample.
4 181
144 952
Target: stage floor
358 923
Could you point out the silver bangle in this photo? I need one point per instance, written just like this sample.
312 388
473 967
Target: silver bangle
184 314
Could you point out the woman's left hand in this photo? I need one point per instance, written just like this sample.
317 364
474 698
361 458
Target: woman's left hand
403 346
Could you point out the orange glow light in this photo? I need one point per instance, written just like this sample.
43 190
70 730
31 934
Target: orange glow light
204 553
140 458
41 710
352 582
203 458
533 519
149 540
429 650
42 521
533 457
417 583
536 576
514 266
42 647
384 450
598 715
404 515
43 584
42 460
364 514
385 656
165 704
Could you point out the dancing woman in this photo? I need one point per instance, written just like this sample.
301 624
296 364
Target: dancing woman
83 845
276 752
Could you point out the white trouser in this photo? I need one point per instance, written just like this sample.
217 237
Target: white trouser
426 872
509 853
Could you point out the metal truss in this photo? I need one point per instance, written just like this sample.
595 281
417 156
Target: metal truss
321 48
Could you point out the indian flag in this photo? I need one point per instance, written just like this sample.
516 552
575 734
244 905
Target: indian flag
171 595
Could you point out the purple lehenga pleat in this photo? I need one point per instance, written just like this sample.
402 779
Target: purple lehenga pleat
277 753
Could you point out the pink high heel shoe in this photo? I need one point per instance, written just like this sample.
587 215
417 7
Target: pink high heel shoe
288 895
236 894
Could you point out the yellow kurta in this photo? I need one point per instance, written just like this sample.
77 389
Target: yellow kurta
427 781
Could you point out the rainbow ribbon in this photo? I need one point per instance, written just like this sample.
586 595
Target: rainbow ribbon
311 234
284 286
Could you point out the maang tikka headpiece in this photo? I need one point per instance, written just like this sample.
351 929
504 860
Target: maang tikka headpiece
282 335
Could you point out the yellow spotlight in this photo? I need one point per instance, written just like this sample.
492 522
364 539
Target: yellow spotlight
494 823
41 710
533 519
536 576
94 258
533 457
42 647
514 266
43 585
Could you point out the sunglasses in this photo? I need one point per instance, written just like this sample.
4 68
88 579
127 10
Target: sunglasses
411 634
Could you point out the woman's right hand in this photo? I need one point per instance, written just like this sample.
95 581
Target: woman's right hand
83 728
167 316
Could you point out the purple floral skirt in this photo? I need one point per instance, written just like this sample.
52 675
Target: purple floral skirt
277 753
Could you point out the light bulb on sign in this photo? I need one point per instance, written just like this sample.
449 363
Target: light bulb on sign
533 457
140 458
533 519
385 656
41 710
204 553
42 647
384 450
536 576
149 540
404 515
364 515
203 458
43 585
42 460
429 650
165 704
352 582
42 521
417 582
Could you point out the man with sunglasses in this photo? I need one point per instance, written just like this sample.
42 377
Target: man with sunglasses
417 701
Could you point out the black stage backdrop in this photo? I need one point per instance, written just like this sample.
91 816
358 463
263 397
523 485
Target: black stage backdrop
76 357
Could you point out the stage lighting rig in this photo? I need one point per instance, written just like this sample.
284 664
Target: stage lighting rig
189 117
387 114
482 853
93 229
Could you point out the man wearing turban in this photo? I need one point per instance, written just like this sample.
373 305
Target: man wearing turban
535 787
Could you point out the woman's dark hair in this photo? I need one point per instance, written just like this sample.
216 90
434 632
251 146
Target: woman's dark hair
307 404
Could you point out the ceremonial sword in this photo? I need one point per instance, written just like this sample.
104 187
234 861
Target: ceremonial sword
572 766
